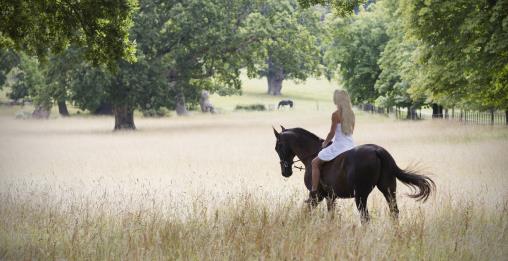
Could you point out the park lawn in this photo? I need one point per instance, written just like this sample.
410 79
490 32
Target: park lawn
312 94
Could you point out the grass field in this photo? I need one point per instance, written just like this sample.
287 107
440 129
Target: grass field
208 187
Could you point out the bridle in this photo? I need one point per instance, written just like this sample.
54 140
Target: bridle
287 164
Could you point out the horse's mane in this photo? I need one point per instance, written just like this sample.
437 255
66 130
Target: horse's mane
305 133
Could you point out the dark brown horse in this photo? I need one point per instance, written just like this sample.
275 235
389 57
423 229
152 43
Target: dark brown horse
353 174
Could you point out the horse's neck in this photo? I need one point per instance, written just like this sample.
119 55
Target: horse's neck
306 150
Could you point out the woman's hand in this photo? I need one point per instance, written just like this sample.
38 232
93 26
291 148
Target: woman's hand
325 143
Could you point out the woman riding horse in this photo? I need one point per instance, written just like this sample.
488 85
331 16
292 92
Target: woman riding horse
354 172
343 124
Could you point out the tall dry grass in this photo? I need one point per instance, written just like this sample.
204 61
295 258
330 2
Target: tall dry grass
210 188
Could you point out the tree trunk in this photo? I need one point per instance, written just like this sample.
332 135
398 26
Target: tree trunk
124 118
275 77
274 85
268 79
181 110
411 113
62 109
506 116
40 112
437 111
491 116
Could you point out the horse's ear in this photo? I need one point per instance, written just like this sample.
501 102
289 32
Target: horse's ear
282 127
276 133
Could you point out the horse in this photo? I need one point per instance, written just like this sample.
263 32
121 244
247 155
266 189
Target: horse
352 174
284 103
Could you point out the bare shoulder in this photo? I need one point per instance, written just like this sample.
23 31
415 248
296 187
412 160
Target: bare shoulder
336 116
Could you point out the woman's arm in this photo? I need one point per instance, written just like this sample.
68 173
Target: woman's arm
330 135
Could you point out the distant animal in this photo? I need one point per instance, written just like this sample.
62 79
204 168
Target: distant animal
285 103
353 174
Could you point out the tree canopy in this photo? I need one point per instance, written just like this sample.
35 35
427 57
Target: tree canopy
289 43
468 58
357 43
163 53
341 7
41 27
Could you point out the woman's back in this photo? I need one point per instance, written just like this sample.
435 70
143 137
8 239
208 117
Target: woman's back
342 141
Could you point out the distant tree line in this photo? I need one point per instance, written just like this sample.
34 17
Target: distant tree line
127 55
181 48
410 53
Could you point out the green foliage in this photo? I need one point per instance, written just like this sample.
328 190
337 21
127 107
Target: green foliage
289 48
356 47
30 82
139 85
88 85
160 112
41 27
201 44
395 53
341 7
251 107
59 70
8 60
466 59
183 48
395 62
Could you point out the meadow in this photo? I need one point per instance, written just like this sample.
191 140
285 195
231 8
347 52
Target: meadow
209 187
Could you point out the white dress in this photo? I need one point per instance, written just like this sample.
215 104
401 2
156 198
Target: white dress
341 143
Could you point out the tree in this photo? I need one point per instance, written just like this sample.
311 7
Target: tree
8 60
290 47
30 82
357 43
467 58
341 7
183 47
202 44
58 78
139 85
395 62
41 27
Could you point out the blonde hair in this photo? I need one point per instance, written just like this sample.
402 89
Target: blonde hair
347 116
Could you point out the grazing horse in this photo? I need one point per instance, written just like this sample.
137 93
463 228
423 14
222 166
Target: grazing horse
353 174
284 103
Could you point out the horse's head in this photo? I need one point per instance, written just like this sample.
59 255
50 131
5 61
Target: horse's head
286 154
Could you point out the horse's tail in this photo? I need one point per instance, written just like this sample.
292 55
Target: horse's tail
421 184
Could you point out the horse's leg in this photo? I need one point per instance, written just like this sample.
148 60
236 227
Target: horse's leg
392 202
312 204
330 203
388 186
361 204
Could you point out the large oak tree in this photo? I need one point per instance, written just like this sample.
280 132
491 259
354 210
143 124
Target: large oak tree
38 27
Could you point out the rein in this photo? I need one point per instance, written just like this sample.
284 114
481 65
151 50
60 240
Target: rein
286 164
